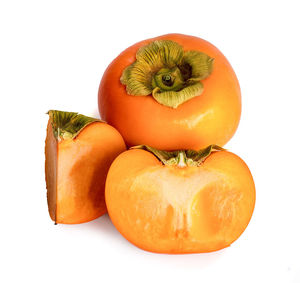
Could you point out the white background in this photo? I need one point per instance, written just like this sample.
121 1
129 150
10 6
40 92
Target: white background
52 56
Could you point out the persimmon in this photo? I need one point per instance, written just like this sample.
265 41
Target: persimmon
79 151
171 92
183 201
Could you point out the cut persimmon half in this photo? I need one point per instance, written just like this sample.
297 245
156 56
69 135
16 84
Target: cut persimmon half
79 151
178 202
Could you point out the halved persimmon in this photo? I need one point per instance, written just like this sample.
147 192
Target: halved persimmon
171 92
182 201
79 151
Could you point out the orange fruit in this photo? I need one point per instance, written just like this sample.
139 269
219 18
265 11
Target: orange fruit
171 92
79 151
180 202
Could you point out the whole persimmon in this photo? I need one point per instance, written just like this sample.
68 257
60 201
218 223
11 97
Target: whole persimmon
79 151
171 92
182 201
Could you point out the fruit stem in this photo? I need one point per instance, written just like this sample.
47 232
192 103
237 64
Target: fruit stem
181 159
168 80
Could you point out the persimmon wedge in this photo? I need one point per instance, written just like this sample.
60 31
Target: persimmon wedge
79 151
180 202
171 92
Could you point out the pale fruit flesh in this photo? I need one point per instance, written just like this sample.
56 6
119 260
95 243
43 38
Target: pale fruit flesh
76 171
168 209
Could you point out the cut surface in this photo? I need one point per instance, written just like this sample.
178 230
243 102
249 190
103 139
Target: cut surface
51 170
82 167
79 151
167 209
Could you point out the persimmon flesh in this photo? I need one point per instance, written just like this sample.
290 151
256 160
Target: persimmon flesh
179 209
171 92
77 161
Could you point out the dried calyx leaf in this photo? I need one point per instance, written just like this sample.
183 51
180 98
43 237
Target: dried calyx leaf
181 158
164 70
67 125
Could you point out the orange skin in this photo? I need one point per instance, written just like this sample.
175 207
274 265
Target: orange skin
167 209
76 171
211 118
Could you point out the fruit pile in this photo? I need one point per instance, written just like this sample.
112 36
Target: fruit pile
156 163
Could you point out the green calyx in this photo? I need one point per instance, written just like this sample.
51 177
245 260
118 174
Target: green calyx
164 70
181 158
67 125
